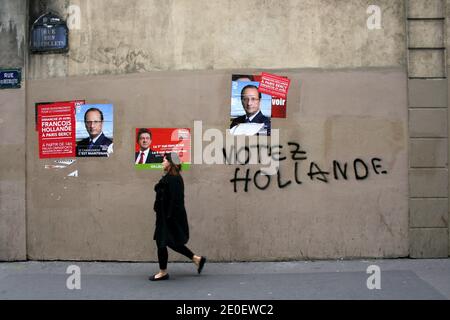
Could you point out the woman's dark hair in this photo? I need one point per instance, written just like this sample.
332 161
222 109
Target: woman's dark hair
175 163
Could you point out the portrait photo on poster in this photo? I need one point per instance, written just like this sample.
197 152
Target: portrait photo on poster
94 130
251 111
151 144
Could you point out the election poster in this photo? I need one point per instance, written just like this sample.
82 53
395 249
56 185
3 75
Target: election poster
94 130
36 105
255 100
56 130
274 85
251 111
151 144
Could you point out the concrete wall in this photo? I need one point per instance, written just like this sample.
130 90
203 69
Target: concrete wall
429 34
118 37
429 167
13 19
428 125
106 212
447 41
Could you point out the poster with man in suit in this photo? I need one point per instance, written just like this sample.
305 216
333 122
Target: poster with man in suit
151 144
94 130
251 110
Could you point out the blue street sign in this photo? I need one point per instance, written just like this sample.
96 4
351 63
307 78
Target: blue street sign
10 78
50 34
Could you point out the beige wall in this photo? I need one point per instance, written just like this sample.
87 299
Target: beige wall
447 42
428 129
118 37
12 173
13 134
106 212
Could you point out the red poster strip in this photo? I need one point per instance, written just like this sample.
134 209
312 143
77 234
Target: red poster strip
274 85
56 129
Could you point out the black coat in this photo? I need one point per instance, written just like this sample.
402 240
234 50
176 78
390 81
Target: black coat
171 228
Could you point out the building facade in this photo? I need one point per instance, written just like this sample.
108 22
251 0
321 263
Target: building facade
365 135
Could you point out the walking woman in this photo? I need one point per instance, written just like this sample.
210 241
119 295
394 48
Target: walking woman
172 229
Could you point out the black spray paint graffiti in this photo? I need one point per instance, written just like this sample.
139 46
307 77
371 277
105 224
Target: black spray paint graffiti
360 168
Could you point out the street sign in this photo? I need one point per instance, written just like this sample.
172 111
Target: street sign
10 78
49 34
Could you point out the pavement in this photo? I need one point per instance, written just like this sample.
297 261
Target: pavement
399 279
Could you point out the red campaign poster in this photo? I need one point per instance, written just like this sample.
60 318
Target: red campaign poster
56 129
77 104
155 142
274 85
277 87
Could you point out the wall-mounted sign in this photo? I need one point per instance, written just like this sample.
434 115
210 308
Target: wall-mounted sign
49 34
74 129
56 129
255 100
10 78
78 103
274 85
94 130
152 144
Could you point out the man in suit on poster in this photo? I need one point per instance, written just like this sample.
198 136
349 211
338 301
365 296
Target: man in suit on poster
145 154
251 99
97 144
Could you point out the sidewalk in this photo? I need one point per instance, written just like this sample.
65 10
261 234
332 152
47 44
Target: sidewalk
400 279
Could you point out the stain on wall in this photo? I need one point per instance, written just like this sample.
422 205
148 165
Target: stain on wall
119 37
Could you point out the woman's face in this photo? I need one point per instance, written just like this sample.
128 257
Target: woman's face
166 164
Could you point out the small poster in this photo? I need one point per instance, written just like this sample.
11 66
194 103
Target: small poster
94 130
151 144
56 129
251 110
255 100
274 85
